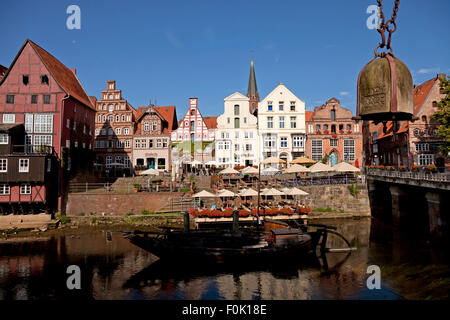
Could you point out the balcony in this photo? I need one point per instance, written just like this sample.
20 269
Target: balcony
33 149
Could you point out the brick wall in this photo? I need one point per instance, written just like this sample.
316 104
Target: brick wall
117 204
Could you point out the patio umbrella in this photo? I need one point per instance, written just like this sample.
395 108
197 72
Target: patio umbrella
204 194
195 162
248 193
212 163
270 171
297 192
345 167
225 194
319 167
249 170
150 171
229 171
303 160
272 160
296 168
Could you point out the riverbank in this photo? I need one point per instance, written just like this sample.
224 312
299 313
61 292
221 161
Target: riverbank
148 222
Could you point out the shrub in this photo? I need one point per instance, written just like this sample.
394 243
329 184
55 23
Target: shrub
129 214
64 219
353 189
146 212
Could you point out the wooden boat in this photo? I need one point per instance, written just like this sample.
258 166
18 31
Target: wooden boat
283 242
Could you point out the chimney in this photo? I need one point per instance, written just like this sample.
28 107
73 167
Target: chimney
74 71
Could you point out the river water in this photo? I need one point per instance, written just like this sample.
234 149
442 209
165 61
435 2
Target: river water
112 268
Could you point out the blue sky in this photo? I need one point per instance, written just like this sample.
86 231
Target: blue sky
168 51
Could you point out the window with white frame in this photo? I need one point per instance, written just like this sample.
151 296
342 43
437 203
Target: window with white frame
108 161
109 144
9 118
126 131
119 144
293 122
43 123
349 150
333 142
97 131
24 165
270 122
3 165
422 147
25 188
3 138
164 142
297 141
283 142
269 106
236 134
236 147
248 147
158 143
118 159
137 143
425 159
269 142
5 189
236 158
127 143
154 125
28 122
42 140
292 105
118 131
144 143
316 149
146 126
126 162
281 122
281 106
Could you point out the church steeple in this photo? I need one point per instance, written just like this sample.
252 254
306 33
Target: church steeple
252 91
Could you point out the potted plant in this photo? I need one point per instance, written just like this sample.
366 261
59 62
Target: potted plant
431 168
341 131
318 131
334 136
402 168
349 131
136 187
415 168
326 132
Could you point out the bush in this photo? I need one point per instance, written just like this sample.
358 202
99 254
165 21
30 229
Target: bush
353 189
64 219
129 214
146 212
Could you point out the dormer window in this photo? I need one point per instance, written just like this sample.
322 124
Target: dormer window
44 79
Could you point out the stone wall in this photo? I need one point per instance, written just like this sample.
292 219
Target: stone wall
338 197
117 204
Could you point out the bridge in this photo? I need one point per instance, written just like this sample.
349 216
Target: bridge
418 201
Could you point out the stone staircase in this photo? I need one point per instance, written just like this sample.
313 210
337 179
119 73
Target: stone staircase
177 204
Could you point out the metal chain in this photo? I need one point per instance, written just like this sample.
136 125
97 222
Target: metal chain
384 26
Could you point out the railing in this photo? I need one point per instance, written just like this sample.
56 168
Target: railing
321 181
108 187
431 176
33 149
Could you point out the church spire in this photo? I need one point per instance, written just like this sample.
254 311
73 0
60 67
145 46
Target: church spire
252 91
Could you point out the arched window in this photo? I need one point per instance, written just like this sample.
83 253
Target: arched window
104 118
117 118
236 123
236 109
416 132
123 117
111 118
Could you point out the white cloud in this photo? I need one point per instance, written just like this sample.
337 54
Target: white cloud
344 93
428 70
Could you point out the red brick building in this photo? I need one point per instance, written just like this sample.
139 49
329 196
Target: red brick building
412 143
114 128
46 97
332 133
151 142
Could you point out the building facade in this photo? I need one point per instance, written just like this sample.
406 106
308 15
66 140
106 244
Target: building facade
151 141
333 135
194 137
45 96
408 143
281 121
115 124
237 133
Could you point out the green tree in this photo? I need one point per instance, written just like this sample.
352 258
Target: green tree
443 116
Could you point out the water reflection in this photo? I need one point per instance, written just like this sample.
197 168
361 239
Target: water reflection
115 269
